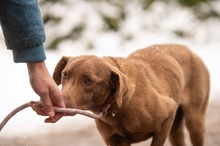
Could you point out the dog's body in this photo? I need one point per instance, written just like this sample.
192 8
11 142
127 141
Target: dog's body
149 93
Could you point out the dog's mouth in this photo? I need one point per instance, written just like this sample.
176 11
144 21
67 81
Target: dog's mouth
69 105
93 106
72 104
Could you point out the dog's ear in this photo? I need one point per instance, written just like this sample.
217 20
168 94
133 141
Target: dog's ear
59 68
122 89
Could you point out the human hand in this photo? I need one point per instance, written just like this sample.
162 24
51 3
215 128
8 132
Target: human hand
50 95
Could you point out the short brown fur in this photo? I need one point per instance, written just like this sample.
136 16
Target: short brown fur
154 89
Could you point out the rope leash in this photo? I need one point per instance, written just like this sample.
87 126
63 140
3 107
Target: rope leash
67 111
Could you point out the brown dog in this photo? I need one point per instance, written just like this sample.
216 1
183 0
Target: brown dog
149 94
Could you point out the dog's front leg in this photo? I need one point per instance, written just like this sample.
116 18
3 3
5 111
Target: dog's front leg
118 140
160 136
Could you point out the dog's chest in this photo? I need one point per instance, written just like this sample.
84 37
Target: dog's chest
135 136
123 130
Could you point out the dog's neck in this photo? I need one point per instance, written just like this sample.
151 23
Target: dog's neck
113 61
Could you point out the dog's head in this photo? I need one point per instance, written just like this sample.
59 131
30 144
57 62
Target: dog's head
90 83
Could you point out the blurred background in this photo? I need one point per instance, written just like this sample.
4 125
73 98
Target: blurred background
107 28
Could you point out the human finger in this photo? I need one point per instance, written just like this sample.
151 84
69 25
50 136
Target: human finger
57 100
47 106
38 109
54 119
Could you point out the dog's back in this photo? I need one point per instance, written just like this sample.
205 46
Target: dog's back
175 61
179 68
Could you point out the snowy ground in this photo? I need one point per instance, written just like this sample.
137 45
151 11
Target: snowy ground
15 88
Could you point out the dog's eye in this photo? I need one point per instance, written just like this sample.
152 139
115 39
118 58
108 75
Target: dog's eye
64 75
88 81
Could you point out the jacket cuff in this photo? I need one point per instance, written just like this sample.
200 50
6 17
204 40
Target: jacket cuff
34 54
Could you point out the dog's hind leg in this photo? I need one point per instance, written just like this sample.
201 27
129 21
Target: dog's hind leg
176 134
195 125
194 109
194 114
194 105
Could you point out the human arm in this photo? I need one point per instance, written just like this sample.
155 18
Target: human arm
24 34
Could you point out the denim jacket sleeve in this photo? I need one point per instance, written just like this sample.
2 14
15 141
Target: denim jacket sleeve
23 29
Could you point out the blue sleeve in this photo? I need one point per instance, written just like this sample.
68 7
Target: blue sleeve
23 29
34 54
